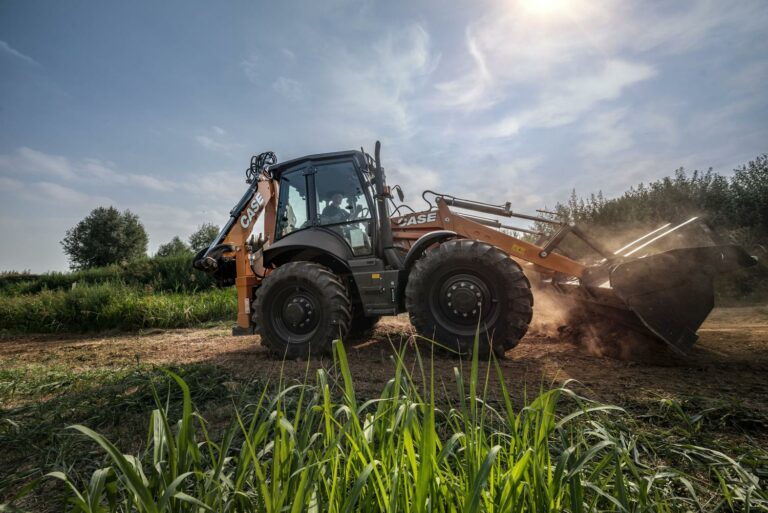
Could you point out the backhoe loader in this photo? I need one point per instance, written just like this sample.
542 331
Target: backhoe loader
337 253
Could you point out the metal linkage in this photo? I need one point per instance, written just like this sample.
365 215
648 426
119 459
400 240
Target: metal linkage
496 224
478 206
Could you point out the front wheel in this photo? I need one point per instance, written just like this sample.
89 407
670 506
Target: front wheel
300 309
464 284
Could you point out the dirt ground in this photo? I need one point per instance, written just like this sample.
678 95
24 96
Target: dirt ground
730 361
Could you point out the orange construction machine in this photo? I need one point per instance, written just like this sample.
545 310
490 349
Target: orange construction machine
337 253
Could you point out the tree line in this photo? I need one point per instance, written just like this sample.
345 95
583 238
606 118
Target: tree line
736 204
107 236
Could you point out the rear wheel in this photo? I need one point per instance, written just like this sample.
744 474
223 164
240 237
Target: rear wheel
300 309
464 283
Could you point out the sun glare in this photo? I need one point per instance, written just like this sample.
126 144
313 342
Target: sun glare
544 7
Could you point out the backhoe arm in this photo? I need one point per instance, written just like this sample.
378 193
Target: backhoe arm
230 258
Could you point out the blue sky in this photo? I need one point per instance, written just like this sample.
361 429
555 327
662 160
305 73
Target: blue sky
156 107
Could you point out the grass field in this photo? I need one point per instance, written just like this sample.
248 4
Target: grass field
365 436
111 306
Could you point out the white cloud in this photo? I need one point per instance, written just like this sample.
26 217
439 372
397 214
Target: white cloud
209 143
215 140
289 88
607 133
413 179
8 185
60 195
218 187
288 54
510 180
473 90
26 161
563 103
252 69
105 172
8 49
510 49
378 87
683 26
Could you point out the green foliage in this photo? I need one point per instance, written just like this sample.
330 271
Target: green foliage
175 246
109 306
203 236
160 274
106 236
749 189
738 204
299 448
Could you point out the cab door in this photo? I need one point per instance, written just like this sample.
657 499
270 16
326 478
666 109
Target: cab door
342 204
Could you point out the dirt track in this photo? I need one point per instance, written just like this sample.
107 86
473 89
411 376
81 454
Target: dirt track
730 361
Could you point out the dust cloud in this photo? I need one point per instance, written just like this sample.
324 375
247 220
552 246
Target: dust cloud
563 318
557 317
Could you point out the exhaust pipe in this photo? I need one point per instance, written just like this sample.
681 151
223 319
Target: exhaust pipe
386 240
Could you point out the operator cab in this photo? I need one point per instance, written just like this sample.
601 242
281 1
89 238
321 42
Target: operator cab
329 192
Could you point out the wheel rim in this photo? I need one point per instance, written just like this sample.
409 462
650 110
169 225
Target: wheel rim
294 314
461 299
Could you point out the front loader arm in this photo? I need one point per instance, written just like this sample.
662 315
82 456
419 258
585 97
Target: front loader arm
408 229
663 295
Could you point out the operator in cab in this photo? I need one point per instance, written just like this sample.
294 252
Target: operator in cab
333 213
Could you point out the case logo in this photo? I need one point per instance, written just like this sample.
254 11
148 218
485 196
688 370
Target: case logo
257 203
429 217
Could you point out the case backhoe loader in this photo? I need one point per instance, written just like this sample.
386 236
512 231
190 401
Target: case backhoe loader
336 254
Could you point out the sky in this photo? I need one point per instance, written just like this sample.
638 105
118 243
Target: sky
156 107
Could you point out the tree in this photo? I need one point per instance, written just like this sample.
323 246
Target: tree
749 188
175 246
203 237
106 236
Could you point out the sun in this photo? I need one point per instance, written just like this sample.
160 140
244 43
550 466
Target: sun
544 7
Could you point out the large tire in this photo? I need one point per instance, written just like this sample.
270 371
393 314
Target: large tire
300 309
465 282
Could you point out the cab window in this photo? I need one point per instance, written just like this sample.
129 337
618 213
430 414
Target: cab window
343 206
292 212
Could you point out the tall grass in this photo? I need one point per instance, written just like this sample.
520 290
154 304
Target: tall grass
172 273
316 447
111 306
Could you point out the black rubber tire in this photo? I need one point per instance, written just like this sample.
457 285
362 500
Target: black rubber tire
504 314
329 312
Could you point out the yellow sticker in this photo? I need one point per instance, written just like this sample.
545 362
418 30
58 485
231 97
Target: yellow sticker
375 276
518 250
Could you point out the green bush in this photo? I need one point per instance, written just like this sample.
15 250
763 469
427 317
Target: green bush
108 306
172 273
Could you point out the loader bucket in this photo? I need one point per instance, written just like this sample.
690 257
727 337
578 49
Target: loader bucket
672 293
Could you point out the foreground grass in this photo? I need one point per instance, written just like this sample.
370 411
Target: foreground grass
38 402
113 306
318 447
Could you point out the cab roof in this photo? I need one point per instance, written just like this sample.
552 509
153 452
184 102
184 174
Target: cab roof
356 155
